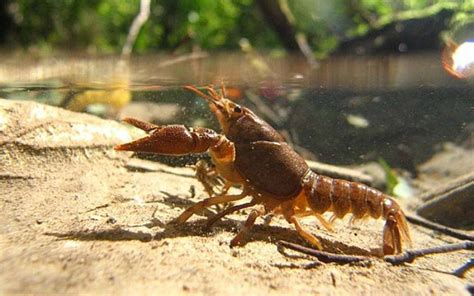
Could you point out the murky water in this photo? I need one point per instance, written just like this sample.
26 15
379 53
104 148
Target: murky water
347 110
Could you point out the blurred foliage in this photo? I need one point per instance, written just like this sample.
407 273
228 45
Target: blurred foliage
391 177
102 25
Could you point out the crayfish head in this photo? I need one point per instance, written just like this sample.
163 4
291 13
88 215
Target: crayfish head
225 110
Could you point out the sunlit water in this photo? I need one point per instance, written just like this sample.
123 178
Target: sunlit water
347 110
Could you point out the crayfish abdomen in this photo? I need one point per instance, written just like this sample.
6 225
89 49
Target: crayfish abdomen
343 197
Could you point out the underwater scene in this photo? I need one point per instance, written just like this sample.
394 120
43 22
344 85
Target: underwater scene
240 147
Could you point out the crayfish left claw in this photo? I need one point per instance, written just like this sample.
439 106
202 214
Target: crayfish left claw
144 144
170 139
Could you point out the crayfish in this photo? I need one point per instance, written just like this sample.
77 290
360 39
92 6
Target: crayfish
253 155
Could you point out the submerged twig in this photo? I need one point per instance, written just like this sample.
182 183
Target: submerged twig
8 176
340 172
324 256
299 266
98 207
451 186
264 109
459 272
406 257
415 219
410 255
450 204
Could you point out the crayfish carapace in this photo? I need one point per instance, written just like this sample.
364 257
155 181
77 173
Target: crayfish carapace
254 156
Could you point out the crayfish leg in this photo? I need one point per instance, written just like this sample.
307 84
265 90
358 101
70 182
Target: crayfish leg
324 222
208 177
207 203
321 219
306 234
238 239
228 211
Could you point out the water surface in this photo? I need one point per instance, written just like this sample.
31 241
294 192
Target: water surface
347 110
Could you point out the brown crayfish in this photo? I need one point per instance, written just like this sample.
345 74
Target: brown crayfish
250 153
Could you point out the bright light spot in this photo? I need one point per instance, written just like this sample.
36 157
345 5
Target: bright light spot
403 189
459 60
71 245
193 17
3 121
357 121
38 113
138 200
463 58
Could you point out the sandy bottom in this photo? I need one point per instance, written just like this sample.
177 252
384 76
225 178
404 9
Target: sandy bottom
76 220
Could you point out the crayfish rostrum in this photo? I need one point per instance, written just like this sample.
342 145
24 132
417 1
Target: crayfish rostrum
253 155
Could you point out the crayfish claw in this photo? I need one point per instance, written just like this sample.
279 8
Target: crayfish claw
145 126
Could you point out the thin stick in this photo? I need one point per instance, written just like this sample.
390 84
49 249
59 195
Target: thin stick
415 219
407 257
340 172
199 93
183 58
323 256
264 109
138 22
470 288
410 255
98 207
447 188
459 272
306 50
227 211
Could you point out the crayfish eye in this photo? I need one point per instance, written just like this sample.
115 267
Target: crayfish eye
237 109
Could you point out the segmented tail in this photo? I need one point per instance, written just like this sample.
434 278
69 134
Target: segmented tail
342 197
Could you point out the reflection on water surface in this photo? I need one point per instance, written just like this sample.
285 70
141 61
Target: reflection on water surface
346 110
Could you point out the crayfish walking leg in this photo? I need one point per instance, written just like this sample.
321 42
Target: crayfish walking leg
207 203
254 214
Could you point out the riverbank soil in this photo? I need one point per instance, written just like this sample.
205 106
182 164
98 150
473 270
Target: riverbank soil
78 218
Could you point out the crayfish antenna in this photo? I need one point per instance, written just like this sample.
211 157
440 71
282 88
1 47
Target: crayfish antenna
213 93
199 93
223 91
